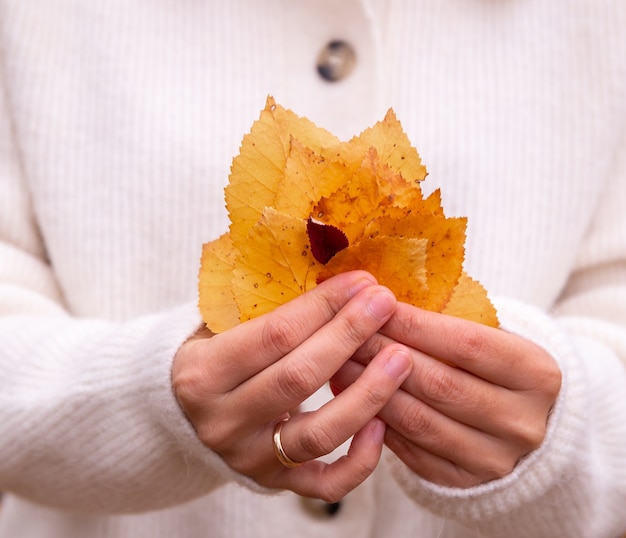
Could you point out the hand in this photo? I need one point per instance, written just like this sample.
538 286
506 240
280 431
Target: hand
477 399
234 387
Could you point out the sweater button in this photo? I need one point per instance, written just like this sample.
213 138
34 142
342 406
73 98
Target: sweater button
320 509
336 61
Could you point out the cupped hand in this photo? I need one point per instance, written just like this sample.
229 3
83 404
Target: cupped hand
476 401
235 387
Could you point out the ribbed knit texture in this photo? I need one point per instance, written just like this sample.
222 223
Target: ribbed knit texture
118 123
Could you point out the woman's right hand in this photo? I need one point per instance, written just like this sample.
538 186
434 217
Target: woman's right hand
236 386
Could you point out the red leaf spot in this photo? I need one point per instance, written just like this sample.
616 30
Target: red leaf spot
326 240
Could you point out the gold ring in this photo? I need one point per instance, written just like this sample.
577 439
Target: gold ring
279 450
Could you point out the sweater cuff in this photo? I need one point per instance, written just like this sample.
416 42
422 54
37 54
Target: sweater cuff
205 467
538 471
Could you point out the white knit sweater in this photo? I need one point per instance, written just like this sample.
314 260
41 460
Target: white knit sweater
118 123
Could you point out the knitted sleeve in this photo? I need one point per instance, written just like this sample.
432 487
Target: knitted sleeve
88 420
575 483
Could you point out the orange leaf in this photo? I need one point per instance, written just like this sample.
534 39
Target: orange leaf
396 262
373 187
445 249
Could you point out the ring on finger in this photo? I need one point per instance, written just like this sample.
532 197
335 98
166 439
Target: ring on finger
278 447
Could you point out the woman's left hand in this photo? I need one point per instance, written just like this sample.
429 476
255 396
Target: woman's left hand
476 402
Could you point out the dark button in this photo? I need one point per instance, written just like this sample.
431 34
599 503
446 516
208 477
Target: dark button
336 61
320 509
333 508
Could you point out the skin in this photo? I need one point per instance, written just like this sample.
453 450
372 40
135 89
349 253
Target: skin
469 417
235 386
459 421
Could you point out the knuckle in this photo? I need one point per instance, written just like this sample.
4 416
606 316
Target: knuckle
298 380
499 469
529 436
547 376
408 325
374 399
191 386
441 384
499 464
193 378
316 441
469 344
524 431
188 389
280 333
552 378
416 423
209 436
351 331
213 435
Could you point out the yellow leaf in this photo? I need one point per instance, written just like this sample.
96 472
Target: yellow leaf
469 301
394 147
365 210
258 169
274 264
216 301
391 144
307 177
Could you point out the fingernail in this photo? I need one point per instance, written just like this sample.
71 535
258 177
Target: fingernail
381 304
398 365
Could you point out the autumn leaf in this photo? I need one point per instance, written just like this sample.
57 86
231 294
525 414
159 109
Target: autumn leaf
258 169
304 206
398 263
273 265
326 240
445 249
469 301
371 190
216 300
308 176
390 142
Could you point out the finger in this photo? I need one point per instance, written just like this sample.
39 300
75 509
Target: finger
331 482
243 351
288 382
466 399
492 354
451 391
435 468
310 435
424 427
